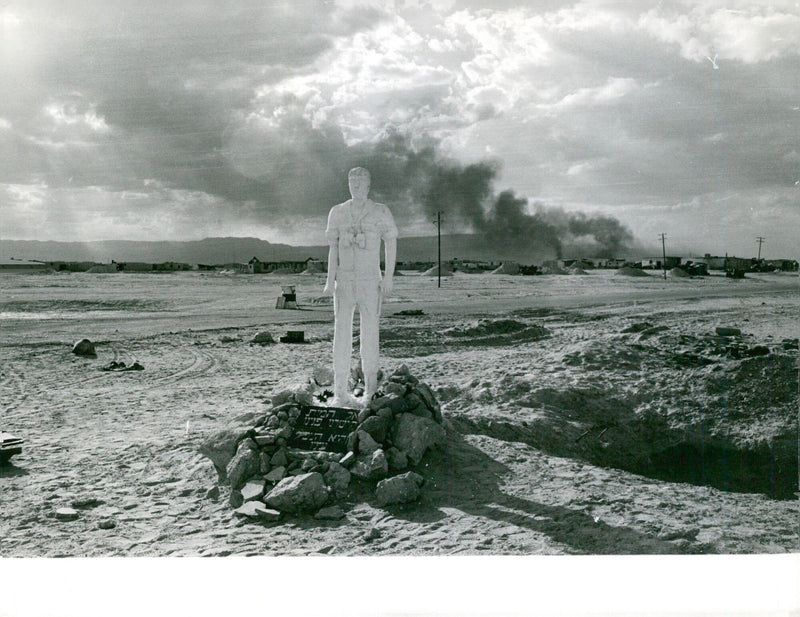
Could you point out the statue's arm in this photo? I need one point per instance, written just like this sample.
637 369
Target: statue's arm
390 245
332 235
333 265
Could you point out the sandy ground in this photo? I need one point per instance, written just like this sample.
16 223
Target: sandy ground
568 434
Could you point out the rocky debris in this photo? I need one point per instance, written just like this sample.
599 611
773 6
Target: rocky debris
67 514
257 510
635 328
84 347
726 331
397 460
262 338
120 366
404 488
337 478
331 513
252 490
276 475
221 448
323 376
106 523
85 502
790 343
371 466
262 455
415 436
243 465
299 493
366 444
213 493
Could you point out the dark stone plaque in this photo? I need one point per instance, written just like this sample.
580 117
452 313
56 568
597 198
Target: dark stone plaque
323 428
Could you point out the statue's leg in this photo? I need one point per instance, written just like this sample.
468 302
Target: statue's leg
343 307
368 305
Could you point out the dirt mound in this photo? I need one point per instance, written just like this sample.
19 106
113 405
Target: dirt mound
446 271
508 267
679 273
628 271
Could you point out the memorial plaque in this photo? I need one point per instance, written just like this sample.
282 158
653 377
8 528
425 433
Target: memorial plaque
323 428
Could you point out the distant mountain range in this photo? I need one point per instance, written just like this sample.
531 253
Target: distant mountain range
228 250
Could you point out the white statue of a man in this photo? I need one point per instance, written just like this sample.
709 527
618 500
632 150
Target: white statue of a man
355 230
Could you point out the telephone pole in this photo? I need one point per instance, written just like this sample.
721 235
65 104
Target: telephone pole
438 223
760 240
663 254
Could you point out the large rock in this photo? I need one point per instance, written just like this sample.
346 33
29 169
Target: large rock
397 460
262 338
84 347
371 467
377 427
243 466
337 478
293 391
415 436
257 510
399 489
323 376
366 444
302 493
221 448
253 490
424 391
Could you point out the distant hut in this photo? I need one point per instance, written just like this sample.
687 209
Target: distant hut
507 267
446 271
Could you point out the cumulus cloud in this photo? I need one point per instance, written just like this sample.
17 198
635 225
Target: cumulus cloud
751 34
252 112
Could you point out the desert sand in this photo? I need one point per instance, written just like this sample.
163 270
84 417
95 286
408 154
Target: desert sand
596 415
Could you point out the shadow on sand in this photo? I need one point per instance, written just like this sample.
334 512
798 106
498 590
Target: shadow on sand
465 478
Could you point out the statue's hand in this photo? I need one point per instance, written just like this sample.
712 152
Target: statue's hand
328 290
387 284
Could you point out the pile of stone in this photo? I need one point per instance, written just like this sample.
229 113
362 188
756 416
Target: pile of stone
270 478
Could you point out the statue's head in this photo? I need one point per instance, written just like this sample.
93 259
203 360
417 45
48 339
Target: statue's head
359 180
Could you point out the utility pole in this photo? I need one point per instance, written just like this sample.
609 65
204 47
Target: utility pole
760 240
438 223
663 254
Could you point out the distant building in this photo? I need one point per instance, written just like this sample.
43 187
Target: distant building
658 263
21 265
783 265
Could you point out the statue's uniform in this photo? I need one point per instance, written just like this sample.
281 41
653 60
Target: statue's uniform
358 276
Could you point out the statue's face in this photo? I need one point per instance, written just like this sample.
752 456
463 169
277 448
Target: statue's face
359 186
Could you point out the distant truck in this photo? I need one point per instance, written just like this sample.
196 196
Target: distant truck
736 267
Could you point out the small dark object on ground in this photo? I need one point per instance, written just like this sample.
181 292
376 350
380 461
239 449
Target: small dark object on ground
294 336
120 366
9 446
791 343
724 331
84 347
410 312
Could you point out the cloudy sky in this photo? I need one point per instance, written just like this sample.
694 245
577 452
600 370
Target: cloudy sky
185 119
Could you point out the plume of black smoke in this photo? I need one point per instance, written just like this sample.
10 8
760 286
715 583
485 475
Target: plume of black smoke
465 193
308 174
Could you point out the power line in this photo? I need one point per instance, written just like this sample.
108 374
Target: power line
760 240
438 223
663 254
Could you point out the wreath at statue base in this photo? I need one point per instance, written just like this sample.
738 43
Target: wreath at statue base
302 457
